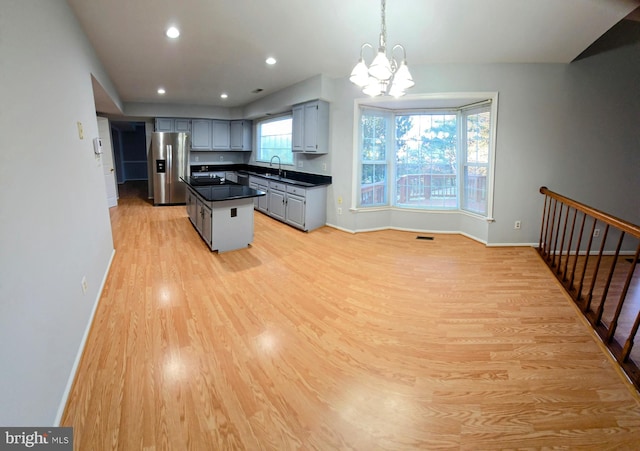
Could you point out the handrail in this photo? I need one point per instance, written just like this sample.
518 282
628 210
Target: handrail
600 297
621 224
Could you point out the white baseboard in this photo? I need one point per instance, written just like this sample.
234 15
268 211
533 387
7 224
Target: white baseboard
83 342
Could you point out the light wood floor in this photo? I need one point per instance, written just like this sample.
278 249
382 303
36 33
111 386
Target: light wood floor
329 340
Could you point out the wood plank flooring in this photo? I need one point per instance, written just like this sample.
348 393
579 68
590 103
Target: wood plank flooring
328 340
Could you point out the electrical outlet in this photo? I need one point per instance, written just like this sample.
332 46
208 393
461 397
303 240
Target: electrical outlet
221 158
516 225
339 211
324 166
197 158
84 285
596 233
300 163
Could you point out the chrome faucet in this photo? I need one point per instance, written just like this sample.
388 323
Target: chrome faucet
279 165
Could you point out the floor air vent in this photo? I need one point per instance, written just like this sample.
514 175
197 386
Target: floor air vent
424 238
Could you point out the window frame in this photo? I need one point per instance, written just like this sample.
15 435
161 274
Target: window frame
266 120
433 103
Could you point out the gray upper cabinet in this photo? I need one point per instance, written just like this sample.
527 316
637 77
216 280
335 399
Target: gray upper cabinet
297 139
241 135
211 134
201 134
220 139
164 124
168 124
182 125
311 127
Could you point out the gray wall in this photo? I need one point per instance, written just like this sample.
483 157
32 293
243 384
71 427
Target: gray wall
54 220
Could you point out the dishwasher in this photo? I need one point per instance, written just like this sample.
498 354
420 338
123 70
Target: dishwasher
243 179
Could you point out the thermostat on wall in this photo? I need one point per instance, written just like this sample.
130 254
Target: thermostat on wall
97 146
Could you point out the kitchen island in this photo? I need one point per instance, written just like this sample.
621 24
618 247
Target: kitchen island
221 211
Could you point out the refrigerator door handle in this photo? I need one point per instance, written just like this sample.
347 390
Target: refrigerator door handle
170 166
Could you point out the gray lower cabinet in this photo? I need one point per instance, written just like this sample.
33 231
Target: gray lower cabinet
200 216
260 203
204 224
277 200
192 207
295 211
303 208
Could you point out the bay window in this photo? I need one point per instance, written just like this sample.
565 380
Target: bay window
426 159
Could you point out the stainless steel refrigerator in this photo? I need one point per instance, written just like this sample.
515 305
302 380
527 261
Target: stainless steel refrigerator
170 161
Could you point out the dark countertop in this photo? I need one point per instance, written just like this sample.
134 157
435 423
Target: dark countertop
220 192
294 177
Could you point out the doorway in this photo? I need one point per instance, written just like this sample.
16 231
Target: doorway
130 154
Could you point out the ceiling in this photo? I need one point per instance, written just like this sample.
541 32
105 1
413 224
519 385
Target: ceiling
224 43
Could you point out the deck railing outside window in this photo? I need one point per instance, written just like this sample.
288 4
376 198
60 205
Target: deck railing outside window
595 257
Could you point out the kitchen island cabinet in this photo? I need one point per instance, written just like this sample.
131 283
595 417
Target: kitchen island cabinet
222 214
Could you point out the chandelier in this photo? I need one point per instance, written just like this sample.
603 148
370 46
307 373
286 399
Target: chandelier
384 75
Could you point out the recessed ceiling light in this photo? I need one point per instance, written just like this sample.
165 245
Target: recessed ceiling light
173 32
224 95
270 61
161 91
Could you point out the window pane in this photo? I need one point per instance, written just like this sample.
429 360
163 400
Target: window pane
475 189
274 139
426 161
373 186
373 156
374 143
474 197
478 137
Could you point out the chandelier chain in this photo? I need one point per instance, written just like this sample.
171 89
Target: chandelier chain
383 30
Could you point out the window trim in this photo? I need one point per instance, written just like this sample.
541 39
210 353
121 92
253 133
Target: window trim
265 120
432 101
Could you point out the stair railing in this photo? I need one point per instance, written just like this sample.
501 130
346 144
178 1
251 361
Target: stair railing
594 255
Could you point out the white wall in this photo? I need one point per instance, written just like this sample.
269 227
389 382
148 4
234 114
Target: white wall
54 220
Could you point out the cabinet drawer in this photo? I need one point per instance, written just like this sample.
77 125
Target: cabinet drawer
296 190
277 186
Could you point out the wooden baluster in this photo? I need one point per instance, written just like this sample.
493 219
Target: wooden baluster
623 295
575 263
542 249
587 302
566 262
586 261
550 232
564 234
612 269
557 234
